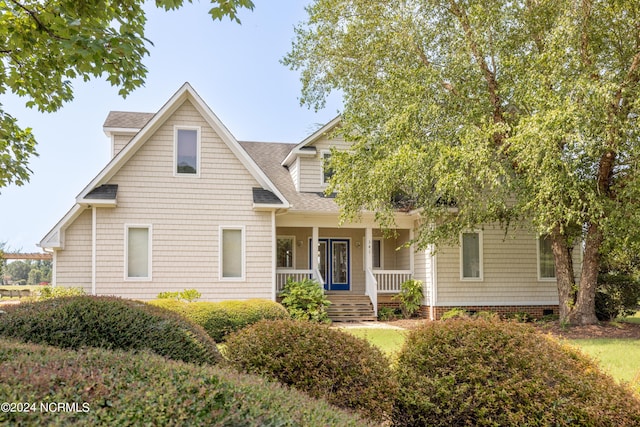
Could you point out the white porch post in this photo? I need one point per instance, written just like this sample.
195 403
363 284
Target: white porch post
368 244
315 236
411 252
274 249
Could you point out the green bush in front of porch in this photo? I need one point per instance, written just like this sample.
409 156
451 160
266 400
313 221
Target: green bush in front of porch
305 300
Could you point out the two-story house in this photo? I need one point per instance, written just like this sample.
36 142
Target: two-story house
183 204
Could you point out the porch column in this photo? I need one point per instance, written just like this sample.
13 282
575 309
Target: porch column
411 252
314 249
368 247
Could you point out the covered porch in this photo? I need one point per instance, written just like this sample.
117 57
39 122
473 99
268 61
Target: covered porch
347 261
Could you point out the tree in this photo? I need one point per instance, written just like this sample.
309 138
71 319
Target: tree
517 112
43 45
19 271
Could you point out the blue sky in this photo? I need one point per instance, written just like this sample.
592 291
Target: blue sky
234 68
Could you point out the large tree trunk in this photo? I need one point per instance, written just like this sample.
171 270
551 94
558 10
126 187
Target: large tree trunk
584 311
565 277
577 303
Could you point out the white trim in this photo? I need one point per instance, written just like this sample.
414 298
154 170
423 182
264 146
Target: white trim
434 279
274 270
480 255
198 130
149 253
293 250
243 251
381 240
94 233
540 278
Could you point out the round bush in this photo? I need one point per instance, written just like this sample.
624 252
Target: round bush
487 372
222 318
326 363
115 388
111 323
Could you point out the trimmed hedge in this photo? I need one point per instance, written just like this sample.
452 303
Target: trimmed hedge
111 323
220 319
325 363
487 372
103 388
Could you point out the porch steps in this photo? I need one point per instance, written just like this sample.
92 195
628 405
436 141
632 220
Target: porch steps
350 308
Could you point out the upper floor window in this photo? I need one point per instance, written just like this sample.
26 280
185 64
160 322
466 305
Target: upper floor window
327 170
471 256
187 151
546 261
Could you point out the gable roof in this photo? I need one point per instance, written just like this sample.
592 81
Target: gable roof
269 156
303 147
53 239
126 120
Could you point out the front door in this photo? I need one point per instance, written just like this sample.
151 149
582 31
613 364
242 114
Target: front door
334 263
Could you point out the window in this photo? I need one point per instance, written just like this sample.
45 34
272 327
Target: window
284 252
546 261
376 253
471 256
138 252
187 151
232 253
327 171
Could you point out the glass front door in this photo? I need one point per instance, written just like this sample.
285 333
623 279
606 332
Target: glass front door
334 263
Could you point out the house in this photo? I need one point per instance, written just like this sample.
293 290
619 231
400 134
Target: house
183 204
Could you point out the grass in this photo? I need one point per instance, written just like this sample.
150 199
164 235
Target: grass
390 341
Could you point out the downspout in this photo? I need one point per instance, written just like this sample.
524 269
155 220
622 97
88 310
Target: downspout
274 243
94 217
434 283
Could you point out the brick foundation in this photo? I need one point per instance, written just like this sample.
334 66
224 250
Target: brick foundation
535 311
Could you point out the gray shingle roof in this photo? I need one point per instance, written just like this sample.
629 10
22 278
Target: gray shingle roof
127 119
266 197
269 156
103 192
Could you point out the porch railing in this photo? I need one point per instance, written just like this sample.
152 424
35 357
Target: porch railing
389 281
371 285
282 276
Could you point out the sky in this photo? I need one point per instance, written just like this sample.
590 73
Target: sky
235 68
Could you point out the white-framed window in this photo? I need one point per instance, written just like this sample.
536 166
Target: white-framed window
232 253
187 151
285 252
138 251
471 267
327 172
377 253
546 261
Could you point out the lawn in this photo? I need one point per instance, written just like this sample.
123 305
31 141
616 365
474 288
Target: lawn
619 357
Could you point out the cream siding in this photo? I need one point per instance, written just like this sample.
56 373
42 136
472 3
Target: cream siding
510 273
294 171
73 264
186 214
311 167
118 141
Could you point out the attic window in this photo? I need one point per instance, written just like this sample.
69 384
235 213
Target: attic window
187 151
327 170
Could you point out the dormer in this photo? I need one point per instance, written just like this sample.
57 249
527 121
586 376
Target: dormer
122 126
306 161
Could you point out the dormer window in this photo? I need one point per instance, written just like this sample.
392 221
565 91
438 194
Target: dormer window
327 170
187 151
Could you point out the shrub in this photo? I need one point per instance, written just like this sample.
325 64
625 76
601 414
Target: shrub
187 295
119 388
325 363
455 313
617 295
482 372
111 323
386 313
48 292
305 300
222 318
410 297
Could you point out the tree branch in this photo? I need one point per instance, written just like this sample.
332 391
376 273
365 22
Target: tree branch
34 16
